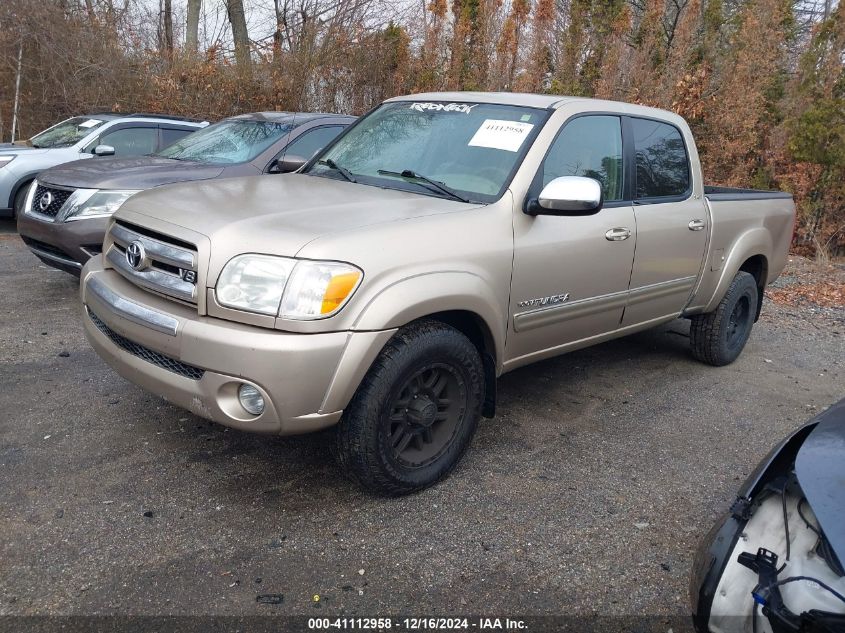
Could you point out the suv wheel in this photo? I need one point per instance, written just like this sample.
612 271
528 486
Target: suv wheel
415 412
718 337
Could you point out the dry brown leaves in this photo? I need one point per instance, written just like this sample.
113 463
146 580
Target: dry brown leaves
810 283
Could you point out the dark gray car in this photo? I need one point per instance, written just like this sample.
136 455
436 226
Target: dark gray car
67 207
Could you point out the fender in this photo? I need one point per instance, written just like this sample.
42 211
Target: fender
756 241
400 303
20 182
429 293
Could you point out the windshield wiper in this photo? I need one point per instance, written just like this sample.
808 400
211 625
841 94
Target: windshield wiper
408 174
328 162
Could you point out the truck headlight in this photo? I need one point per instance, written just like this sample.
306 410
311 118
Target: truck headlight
96 204
254 283
318 289
290 288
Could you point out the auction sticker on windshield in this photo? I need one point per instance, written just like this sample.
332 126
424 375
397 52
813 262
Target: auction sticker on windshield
498 134
90 123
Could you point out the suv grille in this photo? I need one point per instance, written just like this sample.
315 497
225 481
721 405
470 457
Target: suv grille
154 261
145 353
47 200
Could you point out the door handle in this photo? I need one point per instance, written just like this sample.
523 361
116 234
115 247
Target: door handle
617 234
696 225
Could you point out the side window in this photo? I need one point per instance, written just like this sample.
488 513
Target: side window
589 146
662 163
131 141
170 135
313 141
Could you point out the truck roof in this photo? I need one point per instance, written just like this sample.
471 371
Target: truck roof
544 101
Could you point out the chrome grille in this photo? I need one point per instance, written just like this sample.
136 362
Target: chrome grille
145 353
163 267
55 200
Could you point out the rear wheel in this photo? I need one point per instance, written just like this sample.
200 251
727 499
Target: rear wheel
415 412
719 337
20 199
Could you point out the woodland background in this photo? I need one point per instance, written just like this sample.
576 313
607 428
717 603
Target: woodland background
762 82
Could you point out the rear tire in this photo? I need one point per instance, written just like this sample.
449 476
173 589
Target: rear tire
719 337
415 412
20 200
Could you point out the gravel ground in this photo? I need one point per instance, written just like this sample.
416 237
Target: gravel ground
586 494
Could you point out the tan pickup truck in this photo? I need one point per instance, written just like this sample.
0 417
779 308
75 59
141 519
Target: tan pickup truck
439 242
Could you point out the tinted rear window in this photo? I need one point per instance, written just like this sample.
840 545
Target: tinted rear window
662 163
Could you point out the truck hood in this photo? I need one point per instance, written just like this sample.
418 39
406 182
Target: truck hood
820 468
277 214
139 172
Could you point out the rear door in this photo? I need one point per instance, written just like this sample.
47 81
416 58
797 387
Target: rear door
672 223
571 274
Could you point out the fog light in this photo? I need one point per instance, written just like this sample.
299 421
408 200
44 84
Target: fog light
251 399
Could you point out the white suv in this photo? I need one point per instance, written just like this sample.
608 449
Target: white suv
84 137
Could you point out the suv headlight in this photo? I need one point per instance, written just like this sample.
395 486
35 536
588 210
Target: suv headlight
93 203
289 288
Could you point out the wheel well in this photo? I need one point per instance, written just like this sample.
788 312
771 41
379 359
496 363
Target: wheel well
476 330
758 267
23 183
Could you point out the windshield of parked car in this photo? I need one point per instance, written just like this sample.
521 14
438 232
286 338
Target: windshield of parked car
232 141
470 148
66 133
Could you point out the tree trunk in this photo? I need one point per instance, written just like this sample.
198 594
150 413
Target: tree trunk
193 26
168 28
235 10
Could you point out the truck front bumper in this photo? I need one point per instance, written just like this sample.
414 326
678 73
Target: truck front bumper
199 362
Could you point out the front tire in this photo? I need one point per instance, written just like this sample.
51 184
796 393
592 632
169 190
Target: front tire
415 412
719 337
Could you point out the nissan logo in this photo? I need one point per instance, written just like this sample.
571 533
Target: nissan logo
136 256
45 201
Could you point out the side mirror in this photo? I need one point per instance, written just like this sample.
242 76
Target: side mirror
287 164
567 195
103 150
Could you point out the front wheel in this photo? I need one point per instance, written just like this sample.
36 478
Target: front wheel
719 337
416 410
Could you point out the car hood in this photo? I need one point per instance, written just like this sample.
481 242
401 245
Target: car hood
140 172
276 214
820 468
13 148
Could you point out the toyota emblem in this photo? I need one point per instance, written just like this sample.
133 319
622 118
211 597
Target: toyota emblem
136 256
45 200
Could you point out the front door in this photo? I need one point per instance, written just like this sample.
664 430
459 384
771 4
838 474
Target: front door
571 274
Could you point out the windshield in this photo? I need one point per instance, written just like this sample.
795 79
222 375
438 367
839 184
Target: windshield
227 142
471 148
66 133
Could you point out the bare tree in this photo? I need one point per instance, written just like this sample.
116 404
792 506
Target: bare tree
167 19
240 35
192 26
